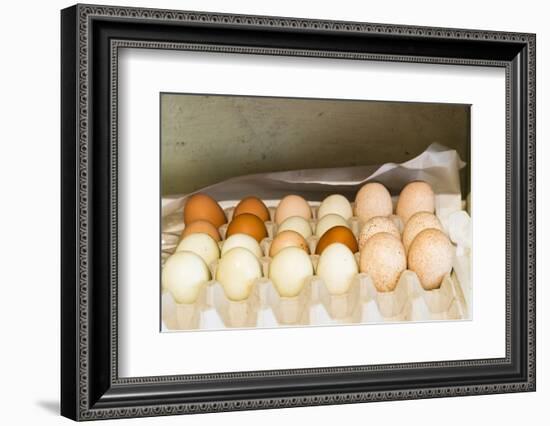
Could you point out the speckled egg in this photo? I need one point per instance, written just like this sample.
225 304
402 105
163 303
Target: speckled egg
417 196
376 225
383 259
416 224
373 199
431 257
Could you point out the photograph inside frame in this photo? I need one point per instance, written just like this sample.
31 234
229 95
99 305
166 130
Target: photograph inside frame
282 212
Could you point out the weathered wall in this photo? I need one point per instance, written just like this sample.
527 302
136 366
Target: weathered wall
206 139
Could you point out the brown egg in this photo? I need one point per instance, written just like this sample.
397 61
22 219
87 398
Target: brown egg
249 224
201 226
292 205
287 239
254 206
203 207
338 234
415 197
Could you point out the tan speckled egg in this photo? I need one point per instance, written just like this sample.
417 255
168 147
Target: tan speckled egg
431 257
292 205
373 199
416 224
415 197
383 259
376 225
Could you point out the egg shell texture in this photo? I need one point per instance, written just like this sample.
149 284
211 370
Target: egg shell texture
383 259
376 225
416 224
373 199
431 256
415 197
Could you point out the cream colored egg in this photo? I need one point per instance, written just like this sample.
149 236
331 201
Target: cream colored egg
289 271
416 224
431 257
415 197
376 225
183 275
383 259
297 224
237 271
337 268
373 199
329 221
244 241
335 204
203 245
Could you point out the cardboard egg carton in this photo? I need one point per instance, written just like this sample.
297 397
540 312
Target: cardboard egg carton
314 305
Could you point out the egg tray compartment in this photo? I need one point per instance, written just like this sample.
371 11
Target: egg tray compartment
314 305
362 303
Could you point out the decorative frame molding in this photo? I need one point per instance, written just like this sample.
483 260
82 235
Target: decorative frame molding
91 388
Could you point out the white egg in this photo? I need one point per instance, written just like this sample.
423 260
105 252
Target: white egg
329 221
183 275
337 268
289 270
336 204
203 245
244 241
237 271
297 224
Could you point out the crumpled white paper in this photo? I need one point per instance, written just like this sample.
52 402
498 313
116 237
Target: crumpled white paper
438 165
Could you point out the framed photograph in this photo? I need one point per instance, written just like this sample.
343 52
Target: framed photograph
265 212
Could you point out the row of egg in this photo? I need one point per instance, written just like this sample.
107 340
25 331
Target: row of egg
384 252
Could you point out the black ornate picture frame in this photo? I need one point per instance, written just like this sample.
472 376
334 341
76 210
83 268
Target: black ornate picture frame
90 38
